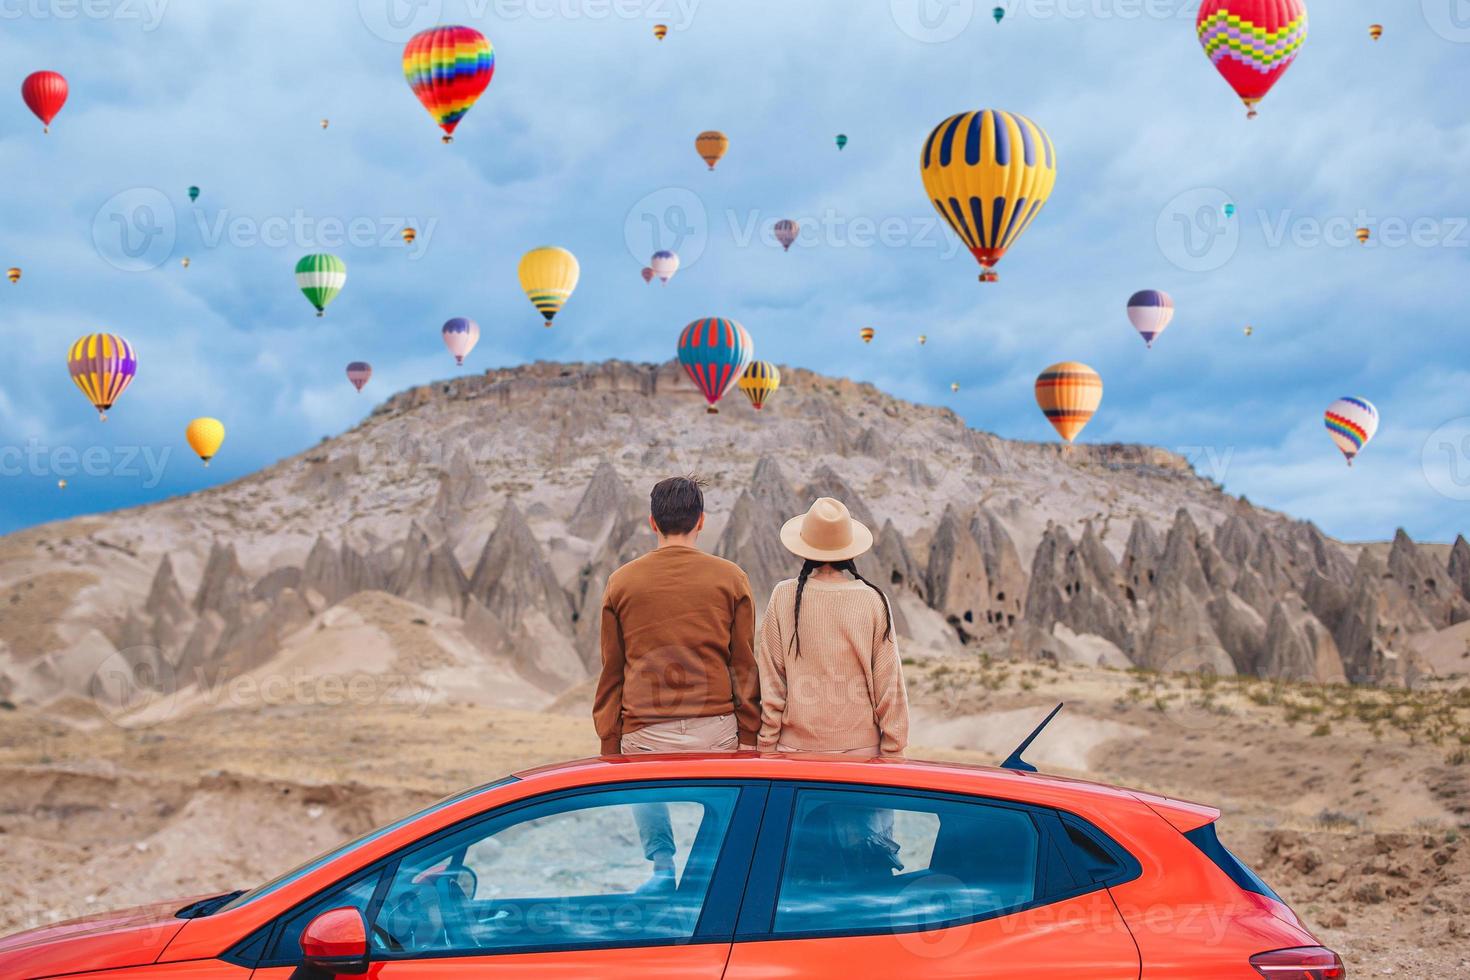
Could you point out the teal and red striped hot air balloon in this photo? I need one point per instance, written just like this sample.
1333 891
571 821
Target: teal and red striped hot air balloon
448 68
714 351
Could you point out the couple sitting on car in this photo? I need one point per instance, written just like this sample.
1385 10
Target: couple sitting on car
680 672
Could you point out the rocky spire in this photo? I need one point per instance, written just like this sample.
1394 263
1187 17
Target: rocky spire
1181 563
513 576
223 588
323 572
429 575
1006 576
1141 560
958 585
1459 567
1427 582
826 483
1298 647
606 499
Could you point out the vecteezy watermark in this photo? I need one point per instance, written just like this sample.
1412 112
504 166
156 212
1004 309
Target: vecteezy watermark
1210 462
936 21
1342 231
135 230
301 231
1445 459
135 687
932 21
148 13
398 20
145 464
1185 687
672 218
1450 19
1194 232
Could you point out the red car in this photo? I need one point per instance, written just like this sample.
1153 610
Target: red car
784 866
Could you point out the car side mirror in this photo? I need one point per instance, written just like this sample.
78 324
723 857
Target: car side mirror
335 943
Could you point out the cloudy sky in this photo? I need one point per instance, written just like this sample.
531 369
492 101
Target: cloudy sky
585 139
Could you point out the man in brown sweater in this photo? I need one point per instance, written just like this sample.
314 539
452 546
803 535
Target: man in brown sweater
678 654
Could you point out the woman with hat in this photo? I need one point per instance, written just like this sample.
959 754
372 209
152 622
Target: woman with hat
829 670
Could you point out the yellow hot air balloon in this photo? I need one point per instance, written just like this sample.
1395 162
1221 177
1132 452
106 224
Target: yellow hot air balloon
205 436
759 381
987 174
1069 393
660 31
409 234
712 145
867 333
1375 31
13 275
1363 235
548 275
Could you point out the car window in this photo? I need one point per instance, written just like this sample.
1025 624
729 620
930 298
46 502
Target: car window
578 870
860 861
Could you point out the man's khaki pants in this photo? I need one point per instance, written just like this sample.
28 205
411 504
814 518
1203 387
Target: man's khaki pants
716 733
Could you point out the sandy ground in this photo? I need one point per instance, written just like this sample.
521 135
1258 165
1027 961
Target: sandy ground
1361 832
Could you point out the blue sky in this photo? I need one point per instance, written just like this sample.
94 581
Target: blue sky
585 139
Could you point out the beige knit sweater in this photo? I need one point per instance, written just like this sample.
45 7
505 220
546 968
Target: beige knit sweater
845 690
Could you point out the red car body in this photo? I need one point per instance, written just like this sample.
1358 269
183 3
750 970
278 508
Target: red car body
1165 905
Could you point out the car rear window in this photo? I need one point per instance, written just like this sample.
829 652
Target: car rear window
1208 841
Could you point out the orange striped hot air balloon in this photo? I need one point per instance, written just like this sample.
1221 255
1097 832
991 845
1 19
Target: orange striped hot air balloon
711 145
660 31
102 365
1375 31
867 333
1363 234
1069 393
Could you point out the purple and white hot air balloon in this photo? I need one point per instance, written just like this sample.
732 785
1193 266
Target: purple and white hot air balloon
359 372
1150 310
647 274
664 264
461 335
786 231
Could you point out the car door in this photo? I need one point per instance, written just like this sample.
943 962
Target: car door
872 882
561 886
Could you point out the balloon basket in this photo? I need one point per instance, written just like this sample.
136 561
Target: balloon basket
321 312
446 139
712 411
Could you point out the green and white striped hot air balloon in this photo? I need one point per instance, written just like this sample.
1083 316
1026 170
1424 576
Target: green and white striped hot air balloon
321 278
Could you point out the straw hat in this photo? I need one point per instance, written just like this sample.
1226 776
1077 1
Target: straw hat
826 533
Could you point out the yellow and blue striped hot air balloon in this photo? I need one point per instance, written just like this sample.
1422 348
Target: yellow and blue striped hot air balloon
987 174
759 381
548 275
102 365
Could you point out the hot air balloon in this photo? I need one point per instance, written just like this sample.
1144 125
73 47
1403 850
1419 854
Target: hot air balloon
647 274
923 339
205 436
193 193
548 275
759 381
664 264
786 231
321 277
1229 210
987 174
999 14
359 373
1251 42
13 275
461 334
102 365
867 333
1150 310
714 352
1363 234
954 386
1375 31
1069 393
841 141
1248 330
45 94
409 234
660 31
61 484
326 123
1351 422
448 68
711 145
184 262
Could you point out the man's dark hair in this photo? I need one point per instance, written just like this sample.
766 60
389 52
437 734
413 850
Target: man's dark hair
676 504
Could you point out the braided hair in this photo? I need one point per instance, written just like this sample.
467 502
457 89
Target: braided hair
807 567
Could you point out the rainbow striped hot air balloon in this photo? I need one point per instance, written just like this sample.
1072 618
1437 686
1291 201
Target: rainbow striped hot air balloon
1150 310
461 334
759 381
786 231
1251 42
714 352
1351 422
359 373
320 278
102 365
548 276
1069 393
448 68
987 174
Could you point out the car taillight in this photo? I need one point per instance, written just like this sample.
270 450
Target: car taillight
1303 963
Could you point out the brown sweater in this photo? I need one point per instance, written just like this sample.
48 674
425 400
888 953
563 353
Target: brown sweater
678 638
845 689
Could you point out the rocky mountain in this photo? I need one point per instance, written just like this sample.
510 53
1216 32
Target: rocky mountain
485 514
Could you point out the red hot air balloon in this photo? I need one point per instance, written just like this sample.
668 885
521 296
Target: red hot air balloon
45 94
1251 42
647 274
448 68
